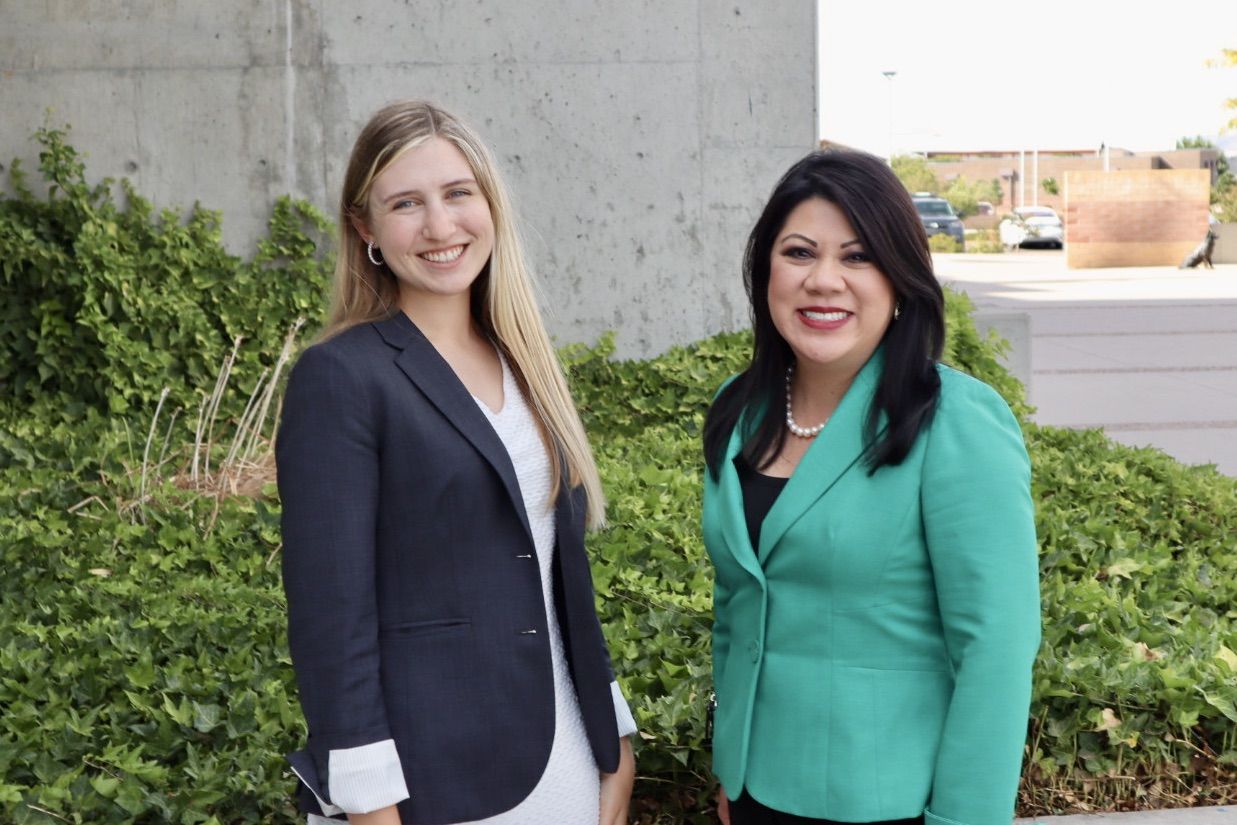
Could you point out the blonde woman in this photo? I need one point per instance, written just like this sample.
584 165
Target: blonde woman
436 486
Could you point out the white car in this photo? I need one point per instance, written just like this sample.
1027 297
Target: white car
1030 225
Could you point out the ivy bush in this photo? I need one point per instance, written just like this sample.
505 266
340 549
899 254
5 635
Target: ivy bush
144 675
143 669
107 303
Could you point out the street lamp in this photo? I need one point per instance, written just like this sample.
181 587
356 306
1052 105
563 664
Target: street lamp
890 75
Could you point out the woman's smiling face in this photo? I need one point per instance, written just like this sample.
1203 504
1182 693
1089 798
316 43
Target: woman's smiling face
428 216
827 299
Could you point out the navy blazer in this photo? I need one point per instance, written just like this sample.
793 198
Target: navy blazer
415 609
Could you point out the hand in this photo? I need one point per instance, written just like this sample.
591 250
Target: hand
723 806
616 787
382 816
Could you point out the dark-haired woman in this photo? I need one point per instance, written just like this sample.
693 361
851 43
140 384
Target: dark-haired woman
868 513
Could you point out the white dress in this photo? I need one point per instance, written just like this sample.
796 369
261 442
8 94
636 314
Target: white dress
569 790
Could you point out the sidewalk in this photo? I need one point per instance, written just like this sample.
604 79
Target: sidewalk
1147 353
1223 815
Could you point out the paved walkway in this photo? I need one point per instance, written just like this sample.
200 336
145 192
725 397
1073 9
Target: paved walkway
1147 353
1225 815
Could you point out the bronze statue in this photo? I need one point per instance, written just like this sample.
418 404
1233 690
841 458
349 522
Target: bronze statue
1201 253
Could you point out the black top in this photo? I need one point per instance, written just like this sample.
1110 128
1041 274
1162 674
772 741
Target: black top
759 493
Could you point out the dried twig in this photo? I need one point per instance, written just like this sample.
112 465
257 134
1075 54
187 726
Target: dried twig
274 553
84 502
150 436
34 807
216 398
242 427
285 355
167 439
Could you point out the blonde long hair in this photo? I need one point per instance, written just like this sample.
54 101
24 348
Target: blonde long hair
503 296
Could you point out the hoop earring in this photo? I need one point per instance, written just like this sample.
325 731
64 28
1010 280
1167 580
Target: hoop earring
369 253
897 310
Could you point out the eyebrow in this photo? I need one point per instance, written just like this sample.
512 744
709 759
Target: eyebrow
405 193
806 239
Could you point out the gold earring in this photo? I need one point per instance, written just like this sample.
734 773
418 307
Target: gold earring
897 310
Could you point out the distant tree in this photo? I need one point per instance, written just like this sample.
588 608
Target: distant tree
1224 192
1051 186
1222 168
1227 60
994 192
915 175
1196 142
964 195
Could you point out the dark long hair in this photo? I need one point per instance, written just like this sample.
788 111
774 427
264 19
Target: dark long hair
882 213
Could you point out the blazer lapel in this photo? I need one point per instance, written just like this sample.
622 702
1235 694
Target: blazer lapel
839 447
439 383
731 511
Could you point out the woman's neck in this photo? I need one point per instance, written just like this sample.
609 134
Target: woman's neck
818 387
446 320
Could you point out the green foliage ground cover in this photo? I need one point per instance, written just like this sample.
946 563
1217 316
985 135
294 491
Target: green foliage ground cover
143 673
144 676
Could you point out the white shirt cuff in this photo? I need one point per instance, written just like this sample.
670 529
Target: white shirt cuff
622 713
327 807
366 778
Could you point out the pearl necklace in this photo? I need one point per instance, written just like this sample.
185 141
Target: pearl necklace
802 432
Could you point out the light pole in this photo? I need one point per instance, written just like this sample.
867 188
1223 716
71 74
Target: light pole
890 75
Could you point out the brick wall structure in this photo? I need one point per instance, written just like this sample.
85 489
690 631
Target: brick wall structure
1136 217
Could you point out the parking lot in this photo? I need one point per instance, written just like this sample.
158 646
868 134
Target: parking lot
1147 353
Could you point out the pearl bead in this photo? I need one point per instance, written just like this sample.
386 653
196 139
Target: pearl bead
791 424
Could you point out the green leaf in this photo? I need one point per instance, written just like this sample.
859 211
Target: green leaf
1228 657
1123 568
105 785
205 717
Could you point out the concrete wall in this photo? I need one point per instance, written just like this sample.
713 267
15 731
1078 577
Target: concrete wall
639 138
1226 244
1148 217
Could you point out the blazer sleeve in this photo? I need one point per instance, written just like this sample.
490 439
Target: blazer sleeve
979 524
721 632
328 476
721 593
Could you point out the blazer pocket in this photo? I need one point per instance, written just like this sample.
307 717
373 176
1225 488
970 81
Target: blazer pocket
423 628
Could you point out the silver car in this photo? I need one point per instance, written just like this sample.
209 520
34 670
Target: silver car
1032 225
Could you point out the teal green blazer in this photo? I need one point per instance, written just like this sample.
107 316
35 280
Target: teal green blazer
872 657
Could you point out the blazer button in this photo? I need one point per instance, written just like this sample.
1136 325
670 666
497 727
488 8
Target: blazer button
524 556
754 648
530 632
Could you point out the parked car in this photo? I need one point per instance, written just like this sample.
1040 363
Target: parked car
1032 226
938 217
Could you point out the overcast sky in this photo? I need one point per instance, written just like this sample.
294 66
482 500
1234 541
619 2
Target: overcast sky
981 74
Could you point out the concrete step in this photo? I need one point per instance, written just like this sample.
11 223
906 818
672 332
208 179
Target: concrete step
1221 815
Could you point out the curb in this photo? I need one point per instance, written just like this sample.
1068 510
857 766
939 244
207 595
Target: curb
1218 815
